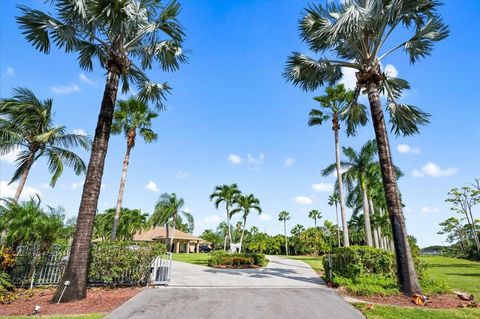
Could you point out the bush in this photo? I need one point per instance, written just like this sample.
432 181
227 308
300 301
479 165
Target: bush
367 285
7 290
122 262
356 261
236 260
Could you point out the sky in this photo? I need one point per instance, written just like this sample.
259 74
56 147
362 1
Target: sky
232 118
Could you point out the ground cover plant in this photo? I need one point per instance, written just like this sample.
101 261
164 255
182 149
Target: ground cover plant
393 312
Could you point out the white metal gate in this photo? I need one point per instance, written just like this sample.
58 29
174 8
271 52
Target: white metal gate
160 270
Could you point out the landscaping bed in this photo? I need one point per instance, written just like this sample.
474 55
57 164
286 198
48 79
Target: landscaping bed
99 300
237 260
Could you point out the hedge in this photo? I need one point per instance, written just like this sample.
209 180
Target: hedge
236 259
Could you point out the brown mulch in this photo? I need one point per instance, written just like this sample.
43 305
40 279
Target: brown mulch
445 301
99 300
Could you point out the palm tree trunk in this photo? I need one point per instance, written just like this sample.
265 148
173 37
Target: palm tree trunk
286 239
407 276
366 215
23 178
243 232
167 237
228 222
225 242
376 243
174 220
76 270
346 240
121 190
338 227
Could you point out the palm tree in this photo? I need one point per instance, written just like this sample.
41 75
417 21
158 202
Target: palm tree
315 214
358 32
131 221
167 211
245 204
226 194
334 199
283 216
335 107
26 124
131 116
117 35
222 230
357 167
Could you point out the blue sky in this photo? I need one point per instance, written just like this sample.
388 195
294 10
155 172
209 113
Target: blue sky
233 118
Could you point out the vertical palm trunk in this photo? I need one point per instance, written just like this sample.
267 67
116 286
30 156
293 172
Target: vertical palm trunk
315 222
121 190
225 242
174 220
346 240
407 276
23 177
338 226
366 214
167 237
76 270
376 242
227 206
243 232
286 238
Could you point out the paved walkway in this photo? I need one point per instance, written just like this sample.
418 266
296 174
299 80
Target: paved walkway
284 289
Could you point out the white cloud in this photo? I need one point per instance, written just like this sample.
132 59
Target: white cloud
79 131
256 161
235 159
405 149
76 185
212 219
10 71
67 89
11 156
187 210
265 217
390 70
82 77
151 186
303 200
181 174
349 79
322 187
429 210
432 169
7 191
289 161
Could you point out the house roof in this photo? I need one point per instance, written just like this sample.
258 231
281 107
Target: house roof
158 233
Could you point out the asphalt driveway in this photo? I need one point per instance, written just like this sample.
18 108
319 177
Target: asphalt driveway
284 289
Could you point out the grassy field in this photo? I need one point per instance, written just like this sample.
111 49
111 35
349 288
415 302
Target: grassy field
314 261
393 312
87 316
459 274
196 259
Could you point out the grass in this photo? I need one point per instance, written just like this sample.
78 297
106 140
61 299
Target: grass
193 258
393 312
313 261
459 274
86 316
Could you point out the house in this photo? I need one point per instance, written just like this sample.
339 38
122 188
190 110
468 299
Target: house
182 242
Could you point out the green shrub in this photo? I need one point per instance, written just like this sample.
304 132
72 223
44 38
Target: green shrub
432 286
236 260
367 285
122 262
356 261
7 290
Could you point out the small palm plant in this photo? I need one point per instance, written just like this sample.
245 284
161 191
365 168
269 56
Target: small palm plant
26 123
245 203
283 216
358 34
131 116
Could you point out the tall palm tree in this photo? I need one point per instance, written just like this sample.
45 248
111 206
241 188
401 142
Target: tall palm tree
126 38
315 214
26 123
131 116
283 216
334 199
245 203
167 210
335 107
226 194
222 230
359 33
130 222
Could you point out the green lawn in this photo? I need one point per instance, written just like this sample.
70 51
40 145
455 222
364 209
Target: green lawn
314 261
196 259
459 274
393 312
87 316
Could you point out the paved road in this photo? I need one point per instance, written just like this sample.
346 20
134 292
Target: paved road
284 289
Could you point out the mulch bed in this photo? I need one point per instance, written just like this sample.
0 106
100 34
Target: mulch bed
99 300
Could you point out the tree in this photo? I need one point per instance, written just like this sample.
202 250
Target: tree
131 116
315 214
117 34
334 199
212 237
167 211
26 123
455 231
222 230
357 167
283 216
335 107
226 194
358 34
131 221
245 204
